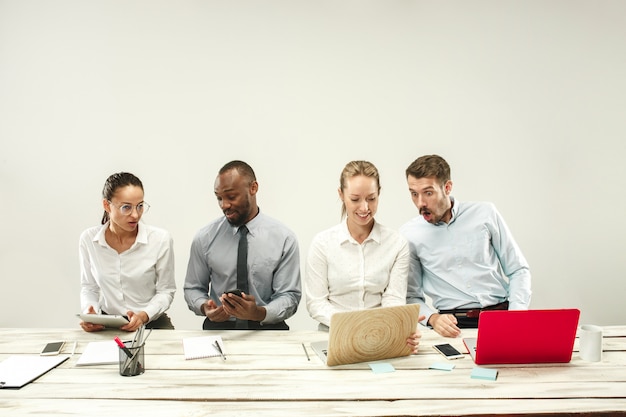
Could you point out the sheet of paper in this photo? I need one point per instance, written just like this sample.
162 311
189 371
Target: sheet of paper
99 353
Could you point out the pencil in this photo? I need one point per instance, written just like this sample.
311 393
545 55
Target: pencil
306 353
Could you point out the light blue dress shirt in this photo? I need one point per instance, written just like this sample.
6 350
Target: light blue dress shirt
273 266
470 262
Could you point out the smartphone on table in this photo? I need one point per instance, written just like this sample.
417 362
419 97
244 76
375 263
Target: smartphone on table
52 348
448 351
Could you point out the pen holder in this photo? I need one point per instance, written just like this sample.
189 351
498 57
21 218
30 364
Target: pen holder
131 360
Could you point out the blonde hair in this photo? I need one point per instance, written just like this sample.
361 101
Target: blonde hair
352 169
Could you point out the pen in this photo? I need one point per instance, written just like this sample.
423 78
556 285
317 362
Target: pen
138 336
306 353
219 349
123 347
73 348
143 342
137 346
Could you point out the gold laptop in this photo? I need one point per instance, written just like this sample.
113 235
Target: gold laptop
368 335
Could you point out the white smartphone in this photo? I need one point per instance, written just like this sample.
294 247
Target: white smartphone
448 351
53 348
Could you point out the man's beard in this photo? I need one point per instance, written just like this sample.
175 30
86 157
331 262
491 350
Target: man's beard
241 217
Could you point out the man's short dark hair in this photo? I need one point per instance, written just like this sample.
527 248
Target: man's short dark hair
242 168
430 166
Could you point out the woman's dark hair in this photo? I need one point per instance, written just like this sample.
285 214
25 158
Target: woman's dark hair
115 181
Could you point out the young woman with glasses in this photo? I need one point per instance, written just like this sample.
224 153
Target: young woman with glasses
126 266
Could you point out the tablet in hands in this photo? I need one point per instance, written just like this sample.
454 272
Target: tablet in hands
107 320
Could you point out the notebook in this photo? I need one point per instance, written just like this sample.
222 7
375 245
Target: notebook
17 371
368 335
524 336
202 347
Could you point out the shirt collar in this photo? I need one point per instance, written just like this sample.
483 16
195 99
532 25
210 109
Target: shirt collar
252 225
453 212
99 237
142 234
347 237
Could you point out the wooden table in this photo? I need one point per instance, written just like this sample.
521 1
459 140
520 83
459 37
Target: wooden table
267 374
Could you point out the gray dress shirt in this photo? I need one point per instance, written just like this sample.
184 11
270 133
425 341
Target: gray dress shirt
273 266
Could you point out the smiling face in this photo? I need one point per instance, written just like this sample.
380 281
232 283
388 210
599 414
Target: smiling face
431 198
360 198
236 196
131 195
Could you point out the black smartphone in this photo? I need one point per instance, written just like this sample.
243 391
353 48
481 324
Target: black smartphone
448 351
53 348
234 292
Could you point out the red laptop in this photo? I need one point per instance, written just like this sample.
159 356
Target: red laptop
524 336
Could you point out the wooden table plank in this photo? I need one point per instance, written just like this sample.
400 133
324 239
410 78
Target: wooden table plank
430 407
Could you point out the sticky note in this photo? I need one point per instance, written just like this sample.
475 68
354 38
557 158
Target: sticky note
382 367
440 366
484 373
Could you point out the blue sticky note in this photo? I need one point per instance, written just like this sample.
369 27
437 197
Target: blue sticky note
484 373
440 366
382 367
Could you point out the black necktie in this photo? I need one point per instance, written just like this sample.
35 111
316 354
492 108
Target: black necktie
242 269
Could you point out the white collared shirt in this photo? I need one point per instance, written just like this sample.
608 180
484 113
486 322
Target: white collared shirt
138 279
343 275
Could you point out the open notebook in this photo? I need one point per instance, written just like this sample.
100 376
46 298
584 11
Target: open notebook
368 335
18 370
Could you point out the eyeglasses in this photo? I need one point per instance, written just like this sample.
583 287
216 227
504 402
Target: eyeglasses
127 209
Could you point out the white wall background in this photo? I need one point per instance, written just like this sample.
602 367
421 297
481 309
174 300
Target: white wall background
525 99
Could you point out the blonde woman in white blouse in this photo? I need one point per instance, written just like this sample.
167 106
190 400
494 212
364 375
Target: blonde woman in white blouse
359 263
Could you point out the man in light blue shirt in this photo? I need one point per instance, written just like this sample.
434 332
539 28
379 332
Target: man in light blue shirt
463 255
273 263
